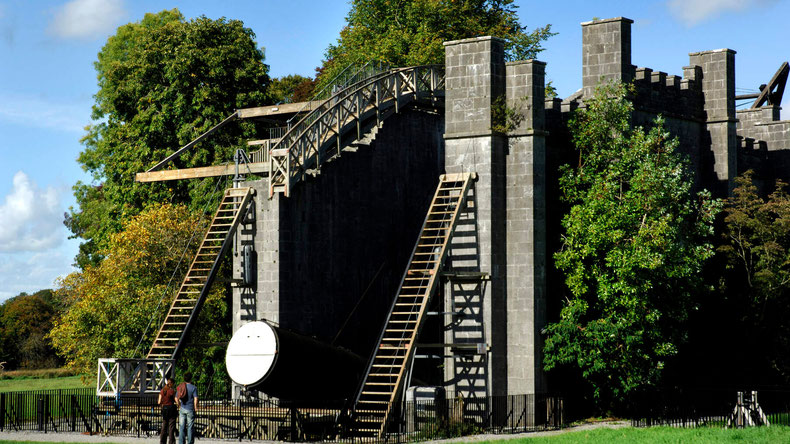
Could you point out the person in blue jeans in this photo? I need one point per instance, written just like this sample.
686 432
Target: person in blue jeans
186 412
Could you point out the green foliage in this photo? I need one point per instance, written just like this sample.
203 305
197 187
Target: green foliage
412 32
504 118
757 277
24 322
162 82
113 302
291 89
635 240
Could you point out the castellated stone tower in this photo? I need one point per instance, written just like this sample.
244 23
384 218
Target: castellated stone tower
505 234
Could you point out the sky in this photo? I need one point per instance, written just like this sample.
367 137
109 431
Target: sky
47 83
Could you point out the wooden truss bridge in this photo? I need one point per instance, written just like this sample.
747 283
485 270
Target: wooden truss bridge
322 134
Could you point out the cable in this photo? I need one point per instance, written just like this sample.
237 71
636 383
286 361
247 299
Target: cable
364 293
178 265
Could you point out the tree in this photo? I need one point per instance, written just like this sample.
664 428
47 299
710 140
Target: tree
162 82
122 299
635 241
25 320
757 277
291 89
412 32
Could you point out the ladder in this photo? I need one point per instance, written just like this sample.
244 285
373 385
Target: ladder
385 374
197 282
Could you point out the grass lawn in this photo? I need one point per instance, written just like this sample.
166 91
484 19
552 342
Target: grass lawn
774 434
25 384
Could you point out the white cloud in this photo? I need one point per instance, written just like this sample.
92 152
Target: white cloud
30 218
692 12
31 272
87 19
40 113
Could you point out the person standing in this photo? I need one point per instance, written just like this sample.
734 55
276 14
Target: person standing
188 406
167 400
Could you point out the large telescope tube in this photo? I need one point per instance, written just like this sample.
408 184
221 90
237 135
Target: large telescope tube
291 366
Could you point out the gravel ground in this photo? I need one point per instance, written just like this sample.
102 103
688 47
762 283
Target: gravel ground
79 437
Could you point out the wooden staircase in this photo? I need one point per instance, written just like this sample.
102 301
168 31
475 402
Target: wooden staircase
386 370
197 282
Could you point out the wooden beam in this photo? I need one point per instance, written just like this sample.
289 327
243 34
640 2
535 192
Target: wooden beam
777 82
193 173
276 110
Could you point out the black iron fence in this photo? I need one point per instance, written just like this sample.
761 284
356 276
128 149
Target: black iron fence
712 408
79 410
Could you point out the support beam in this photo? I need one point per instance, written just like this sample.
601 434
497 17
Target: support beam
193 173
277 110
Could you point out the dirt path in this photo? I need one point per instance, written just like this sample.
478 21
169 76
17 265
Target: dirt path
82 438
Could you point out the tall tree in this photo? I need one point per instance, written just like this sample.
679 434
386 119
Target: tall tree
162 82
757 279
120 302
25 321
635 240
412 32
291 89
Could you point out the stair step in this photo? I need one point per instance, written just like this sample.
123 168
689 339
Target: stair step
392 354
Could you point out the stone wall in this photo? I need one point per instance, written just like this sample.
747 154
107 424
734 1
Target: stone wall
504 232
606 52
350 229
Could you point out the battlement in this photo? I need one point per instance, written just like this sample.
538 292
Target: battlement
748 118
660 93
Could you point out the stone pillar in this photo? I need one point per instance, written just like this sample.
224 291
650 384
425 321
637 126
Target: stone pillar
261 229
263 232
606 52
526 227
475 73
718 89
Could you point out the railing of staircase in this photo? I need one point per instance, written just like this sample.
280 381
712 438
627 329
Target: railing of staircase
351 74
300 147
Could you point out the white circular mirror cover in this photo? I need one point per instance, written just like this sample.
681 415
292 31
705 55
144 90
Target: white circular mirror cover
251 353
